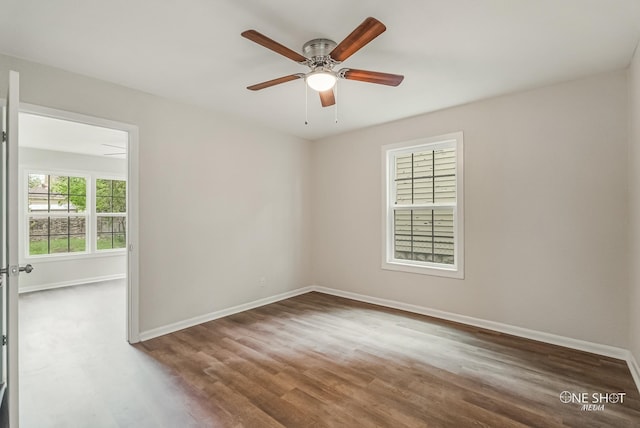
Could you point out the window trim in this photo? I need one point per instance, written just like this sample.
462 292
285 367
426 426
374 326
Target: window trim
90 214
28 215
94 179
389 152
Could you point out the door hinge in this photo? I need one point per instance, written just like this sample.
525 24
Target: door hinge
4 340
4 136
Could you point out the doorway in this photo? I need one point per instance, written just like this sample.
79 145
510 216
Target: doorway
78 181
76 228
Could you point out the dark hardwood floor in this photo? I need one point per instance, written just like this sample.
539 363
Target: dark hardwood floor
313 360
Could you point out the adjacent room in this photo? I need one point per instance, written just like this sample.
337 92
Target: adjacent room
340 214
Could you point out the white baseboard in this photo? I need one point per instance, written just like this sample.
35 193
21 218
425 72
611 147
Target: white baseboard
554 339
567 342
181 325
40 287
634 368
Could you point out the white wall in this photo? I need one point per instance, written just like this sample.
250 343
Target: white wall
223 202
56 271
634 204
545 211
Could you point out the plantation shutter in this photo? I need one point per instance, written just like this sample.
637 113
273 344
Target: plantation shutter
425 198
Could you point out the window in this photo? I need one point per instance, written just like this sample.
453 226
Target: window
70 214
57 215
423 215
111 214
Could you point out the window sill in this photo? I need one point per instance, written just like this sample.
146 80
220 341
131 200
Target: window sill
52 258
456 273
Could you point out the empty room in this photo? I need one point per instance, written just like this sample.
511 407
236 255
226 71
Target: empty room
292 214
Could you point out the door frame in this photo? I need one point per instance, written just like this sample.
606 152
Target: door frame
133 326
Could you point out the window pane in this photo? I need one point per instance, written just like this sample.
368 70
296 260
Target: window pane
105 224
111 233
59 226
423 190
78 243
105 241
77 225
38 192
445 189
103 187
426 177
119 224
103 204
39 226
119 205
111 196
38 236
445 175
54 193
59 244
424 235
423 164
51 235
119 188
119 240
59 185
77 186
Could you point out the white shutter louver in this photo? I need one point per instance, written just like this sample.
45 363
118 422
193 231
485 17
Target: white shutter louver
425 197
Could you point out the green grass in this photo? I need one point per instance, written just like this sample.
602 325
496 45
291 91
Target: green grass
58 245
78 244
104 243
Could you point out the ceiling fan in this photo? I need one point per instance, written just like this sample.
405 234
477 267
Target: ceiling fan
119 153
322 55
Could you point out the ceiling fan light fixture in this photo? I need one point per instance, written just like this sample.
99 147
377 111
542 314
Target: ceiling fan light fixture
321 80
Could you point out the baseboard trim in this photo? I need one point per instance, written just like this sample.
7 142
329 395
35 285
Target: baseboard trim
594 348
554 339
634 368
181 325
41 287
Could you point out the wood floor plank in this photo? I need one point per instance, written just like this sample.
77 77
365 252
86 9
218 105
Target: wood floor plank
322 361
335 362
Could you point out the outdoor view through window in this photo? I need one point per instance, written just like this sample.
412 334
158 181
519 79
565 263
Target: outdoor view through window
60 212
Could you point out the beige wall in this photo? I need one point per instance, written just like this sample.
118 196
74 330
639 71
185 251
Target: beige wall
545 209
247 186
634 203
546 205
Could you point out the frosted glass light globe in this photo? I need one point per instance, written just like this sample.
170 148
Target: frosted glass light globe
321 80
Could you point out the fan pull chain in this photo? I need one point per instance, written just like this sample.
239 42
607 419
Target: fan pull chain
336 108
306 104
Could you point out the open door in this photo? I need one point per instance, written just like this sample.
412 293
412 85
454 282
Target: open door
9 269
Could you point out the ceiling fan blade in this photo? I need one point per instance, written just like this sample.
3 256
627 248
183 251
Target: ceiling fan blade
273 82
327 98
371 76
268 43
363 34
113 145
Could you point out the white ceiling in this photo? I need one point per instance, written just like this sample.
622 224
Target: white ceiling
47 133
451 52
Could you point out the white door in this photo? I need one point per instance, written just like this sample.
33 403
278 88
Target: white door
9 246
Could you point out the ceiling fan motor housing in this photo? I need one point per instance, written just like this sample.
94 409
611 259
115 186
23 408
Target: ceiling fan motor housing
318 50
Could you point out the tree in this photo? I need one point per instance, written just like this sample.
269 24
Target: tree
111 196
72 189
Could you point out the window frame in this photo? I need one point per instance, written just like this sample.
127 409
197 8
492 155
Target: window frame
90 215
389 153
97 215
29 215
